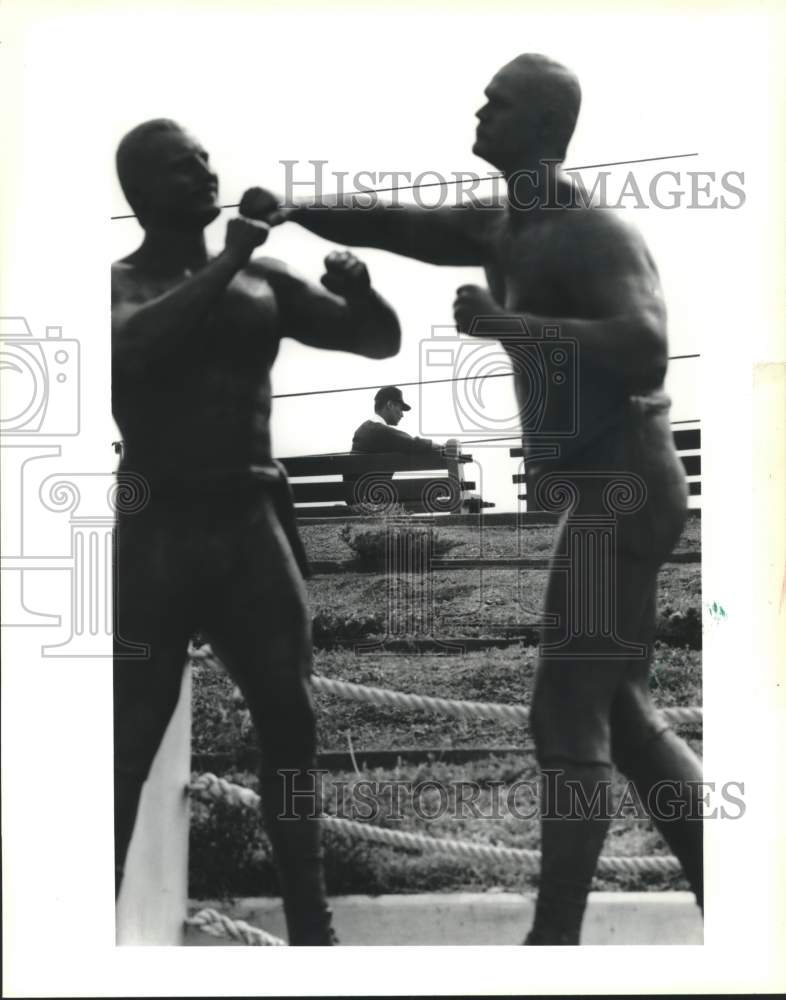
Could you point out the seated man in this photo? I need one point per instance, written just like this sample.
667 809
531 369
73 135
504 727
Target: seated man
382 434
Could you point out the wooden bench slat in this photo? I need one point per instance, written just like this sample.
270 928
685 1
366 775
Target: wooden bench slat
341 510
691 463
334 510
694 490
684 440
406 489
341 462
689 440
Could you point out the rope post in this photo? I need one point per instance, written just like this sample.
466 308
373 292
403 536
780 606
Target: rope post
154 896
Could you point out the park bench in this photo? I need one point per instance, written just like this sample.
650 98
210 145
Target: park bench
367 483
687 442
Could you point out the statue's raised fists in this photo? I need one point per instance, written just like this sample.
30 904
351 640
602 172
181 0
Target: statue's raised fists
345 275
258 203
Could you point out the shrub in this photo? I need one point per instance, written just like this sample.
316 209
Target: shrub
369 541
229 854
680 628
381 512
328 627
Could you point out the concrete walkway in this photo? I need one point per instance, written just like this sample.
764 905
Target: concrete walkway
492 918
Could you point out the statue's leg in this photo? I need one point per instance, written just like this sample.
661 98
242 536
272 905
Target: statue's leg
570 723
260 627
664 770
598 612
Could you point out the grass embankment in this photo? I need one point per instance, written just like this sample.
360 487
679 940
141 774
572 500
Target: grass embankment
229 855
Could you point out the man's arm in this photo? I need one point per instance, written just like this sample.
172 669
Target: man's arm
379 439
148 331
446 235
353 318
612 282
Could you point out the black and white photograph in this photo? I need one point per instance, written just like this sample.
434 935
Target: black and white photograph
393 498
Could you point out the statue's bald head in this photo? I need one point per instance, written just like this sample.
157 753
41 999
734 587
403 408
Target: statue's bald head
557 87
546 97
166 177
136 155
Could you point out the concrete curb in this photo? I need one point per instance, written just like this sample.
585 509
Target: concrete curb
492 918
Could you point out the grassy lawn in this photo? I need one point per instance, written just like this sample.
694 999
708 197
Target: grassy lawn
322 541
476 602
229 854
497 675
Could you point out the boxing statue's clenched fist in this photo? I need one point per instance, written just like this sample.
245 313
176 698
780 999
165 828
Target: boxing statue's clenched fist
257 203
243 236
473 303
345 275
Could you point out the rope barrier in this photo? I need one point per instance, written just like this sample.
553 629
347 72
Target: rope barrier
219 925
422 703
438 381
209 787
437 706
528 860
457 709
517 437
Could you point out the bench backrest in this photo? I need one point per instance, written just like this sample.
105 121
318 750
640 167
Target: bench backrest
368 483
687 441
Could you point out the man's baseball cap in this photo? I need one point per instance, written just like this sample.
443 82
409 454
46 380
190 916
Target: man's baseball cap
390 394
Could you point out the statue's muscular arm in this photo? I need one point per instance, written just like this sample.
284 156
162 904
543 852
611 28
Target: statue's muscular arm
355 318
616 310
454 235
154 321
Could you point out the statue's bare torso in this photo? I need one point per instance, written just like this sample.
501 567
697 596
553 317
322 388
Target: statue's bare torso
206 412
552 265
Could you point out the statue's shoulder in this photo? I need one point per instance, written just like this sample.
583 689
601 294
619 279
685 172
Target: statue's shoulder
277 274
126 278
268 267
599 227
